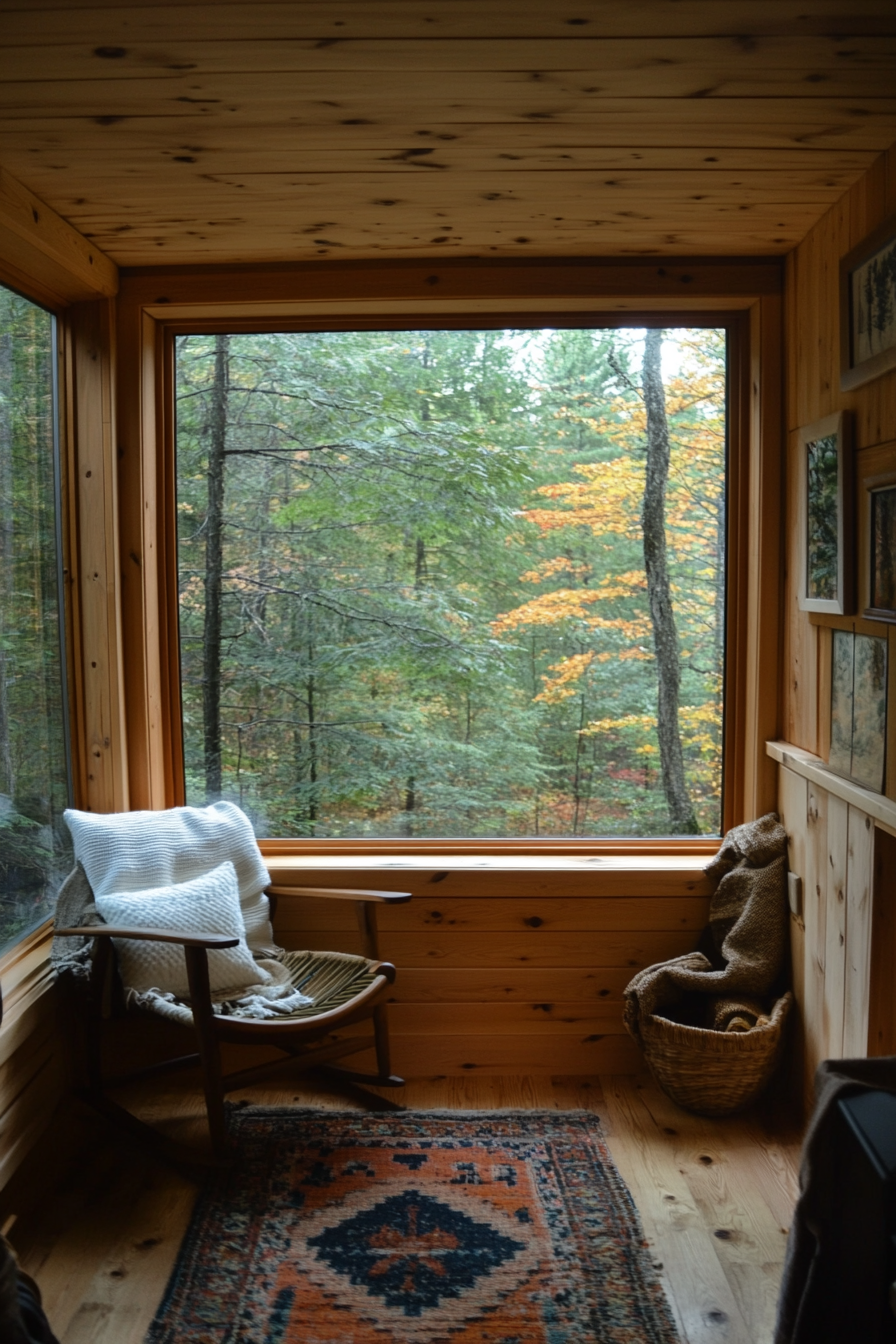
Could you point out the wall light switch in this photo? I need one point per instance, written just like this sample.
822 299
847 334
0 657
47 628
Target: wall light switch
795 894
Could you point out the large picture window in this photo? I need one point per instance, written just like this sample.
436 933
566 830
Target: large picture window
454 583
35 852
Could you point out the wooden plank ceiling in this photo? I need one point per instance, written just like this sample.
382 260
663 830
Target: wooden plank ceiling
259 132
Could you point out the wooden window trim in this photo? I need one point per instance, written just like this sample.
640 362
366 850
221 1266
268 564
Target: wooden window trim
155 305
24 969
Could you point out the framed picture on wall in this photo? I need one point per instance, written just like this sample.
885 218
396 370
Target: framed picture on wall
825 516
859 708
868 308
877 531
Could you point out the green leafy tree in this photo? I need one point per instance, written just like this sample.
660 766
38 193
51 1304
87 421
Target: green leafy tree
360 516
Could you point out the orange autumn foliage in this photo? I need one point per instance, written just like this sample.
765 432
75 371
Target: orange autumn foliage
605 497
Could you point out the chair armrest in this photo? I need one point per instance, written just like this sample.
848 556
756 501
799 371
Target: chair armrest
211 941
365 907
344 894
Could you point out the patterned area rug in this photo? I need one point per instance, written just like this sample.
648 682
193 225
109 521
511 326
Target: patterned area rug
511 1227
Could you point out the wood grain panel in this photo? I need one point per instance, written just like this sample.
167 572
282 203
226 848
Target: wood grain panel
758 657
674 62
792 806
295 914
815 911
422 1056
824 135
545 880
838 981
834 861
487 232
29 1113
385 149
859 879
456 94
263 121
705 1304
507 1019
447 948
99 713
510 984
32 1065
544 283
39 243
282 21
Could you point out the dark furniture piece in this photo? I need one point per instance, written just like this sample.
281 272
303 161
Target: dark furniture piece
862 1256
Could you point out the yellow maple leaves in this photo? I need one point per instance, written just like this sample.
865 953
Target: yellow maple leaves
564 684
605 497
606 500
563 604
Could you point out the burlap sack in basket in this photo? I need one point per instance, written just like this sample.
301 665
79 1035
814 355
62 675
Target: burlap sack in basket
745 943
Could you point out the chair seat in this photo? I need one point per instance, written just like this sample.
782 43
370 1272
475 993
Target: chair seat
330 980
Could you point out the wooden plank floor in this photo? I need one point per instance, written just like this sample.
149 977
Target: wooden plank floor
715 1198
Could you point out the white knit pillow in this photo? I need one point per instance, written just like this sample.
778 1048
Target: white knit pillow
135 851
208 904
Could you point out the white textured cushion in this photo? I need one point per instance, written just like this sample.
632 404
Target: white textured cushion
135 851
208 904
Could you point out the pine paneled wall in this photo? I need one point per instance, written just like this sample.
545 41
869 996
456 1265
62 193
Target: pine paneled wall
835 847
507 972
32 1065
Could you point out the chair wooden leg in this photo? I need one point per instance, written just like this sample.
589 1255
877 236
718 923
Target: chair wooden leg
383 1052
383 1076
209 1051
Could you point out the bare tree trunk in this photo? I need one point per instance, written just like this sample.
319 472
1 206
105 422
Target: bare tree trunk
7 556
312 743
410 805
665 636
721 581
577 775
420 570
214 565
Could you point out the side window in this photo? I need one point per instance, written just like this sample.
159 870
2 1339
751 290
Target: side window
34 770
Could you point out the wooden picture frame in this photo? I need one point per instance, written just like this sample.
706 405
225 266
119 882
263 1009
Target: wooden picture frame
828 627
825 512
868 308
859 686
877 531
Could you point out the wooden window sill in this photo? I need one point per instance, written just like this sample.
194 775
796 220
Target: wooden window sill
279 862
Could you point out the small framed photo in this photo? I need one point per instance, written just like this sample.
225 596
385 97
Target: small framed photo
859 708
825 511
868 308
877 532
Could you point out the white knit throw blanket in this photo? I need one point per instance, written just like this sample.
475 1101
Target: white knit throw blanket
137 851
124 852
254 1002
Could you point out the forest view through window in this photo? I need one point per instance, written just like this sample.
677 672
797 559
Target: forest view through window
454 583
35 847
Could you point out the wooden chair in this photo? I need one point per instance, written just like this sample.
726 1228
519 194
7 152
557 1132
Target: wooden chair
344 989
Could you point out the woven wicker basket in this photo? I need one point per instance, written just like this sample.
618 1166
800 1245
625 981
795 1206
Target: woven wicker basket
714 1072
